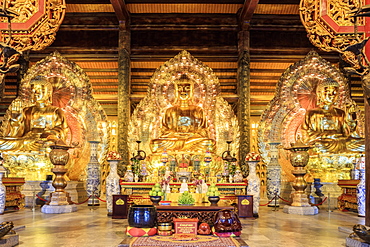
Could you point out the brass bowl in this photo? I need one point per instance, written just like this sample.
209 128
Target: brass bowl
213 200
155 200
165 226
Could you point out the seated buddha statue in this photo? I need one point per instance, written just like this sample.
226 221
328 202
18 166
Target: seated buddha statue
40 124
329 128
183 124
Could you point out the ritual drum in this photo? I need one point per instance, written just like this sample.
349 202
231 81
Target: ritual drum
142 216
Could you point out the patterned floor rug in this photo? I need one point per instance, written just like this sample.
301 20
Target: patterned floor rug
167 241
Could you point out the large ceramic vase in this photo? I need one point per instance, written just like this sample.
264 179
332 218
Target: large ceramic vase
93 176
2 193
254 186
112 185
273 176
361 189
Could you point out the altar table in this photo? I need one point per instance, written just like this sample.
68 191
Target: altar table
139 190
203 211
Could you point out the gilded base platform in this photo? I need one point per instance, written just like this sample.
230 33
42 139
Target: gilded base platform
9 240
350 242
301 210
58 209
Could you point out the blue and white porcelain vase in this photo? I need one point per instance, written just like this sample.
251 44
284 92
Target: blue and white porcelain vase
254 186
273 176
2 192
93 176
361 190
361 193
112 185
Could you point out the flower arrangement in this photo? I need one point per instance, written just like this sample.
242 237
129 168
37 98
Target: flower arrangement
252 156
113 155
197 182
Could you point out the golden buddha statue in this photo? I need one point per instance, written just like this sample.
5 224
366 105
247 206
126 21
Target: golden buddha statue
329 128
184 124
40 124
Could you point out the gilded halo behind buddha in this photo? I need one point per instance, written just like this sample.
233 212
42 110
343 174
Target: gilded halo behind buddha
55 102
183 113
312 100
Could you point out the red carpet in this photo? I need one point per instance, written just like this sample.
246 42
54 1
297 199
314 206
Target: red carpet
166 241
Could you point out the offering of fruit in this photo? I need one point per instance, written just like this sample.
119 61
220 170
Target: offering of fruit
156 190
113 155
186 198
212 191
252 156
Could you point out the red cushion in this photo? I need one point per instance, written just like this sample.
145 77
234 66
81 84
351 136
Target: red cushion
140 232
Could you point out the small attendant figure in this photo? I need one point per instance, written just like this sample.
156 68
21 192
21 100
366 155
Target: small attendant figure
238 177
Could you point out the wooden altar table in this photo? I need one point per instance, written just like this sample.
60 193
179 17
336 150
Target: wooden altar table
203 211
14 197
139 190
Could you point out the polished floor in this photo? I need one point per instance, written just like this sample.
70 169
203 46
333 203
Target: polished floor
91 227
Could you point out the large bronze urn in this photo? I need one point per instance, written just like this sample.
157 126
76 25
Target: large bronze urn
59 156
299 158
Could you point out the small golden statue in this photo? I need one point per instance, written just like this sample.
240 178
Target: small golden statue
184 124
331 129
33 127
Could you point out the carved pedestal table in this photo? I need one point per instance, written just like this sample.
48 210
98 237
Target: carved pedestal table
202 211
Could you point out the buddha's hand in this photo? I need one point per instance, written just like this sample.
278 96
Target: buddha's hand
16 109
50 139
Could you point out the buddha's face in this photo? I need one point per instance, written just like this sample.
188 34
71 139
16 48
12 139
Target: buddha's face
184 91
328 95
40 93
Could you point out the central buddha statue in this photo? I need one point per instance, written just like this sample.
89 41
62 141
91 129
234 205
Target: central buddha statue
329 128
184 126
40 124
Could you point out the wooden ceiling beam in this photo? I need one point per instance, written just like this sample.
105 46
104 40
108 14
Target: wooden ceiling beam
246 13
121 11
183 1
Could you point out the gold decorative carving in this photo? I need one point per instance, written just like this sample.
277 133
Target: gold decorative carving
244 104
35 26
245 202
203 216
123 108
120 202
329 24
